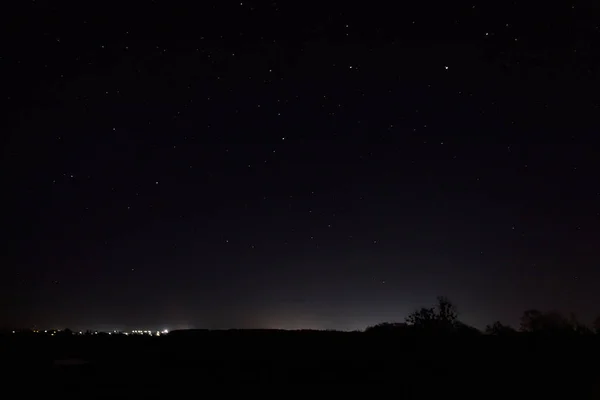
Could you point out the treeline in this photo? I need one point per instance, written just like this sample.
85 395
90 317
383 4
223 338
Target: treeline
443 319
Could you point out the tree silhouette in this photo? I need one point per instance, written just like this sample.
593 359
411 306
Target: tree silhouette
443 317
535 321
578 327
422 318
531 321
446 310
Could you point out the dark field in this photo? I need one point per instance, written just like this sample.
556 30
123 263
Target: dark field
478 366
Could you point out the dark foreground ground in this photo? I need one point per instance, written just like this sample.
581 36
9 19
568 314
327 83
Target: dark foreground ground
518 367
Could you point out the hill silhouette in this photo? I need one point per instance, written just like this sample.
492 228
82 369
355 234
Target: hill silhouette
432 352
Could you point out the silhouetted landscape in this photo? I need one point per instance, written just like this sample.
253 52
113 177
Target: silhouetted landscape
319 171
431 353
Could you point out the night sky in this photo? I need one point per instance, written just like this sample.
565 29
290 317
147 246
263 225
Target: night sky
273 165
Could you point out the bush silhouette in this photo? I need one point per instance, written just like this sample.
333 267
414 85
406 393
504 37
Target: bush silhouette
535 321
